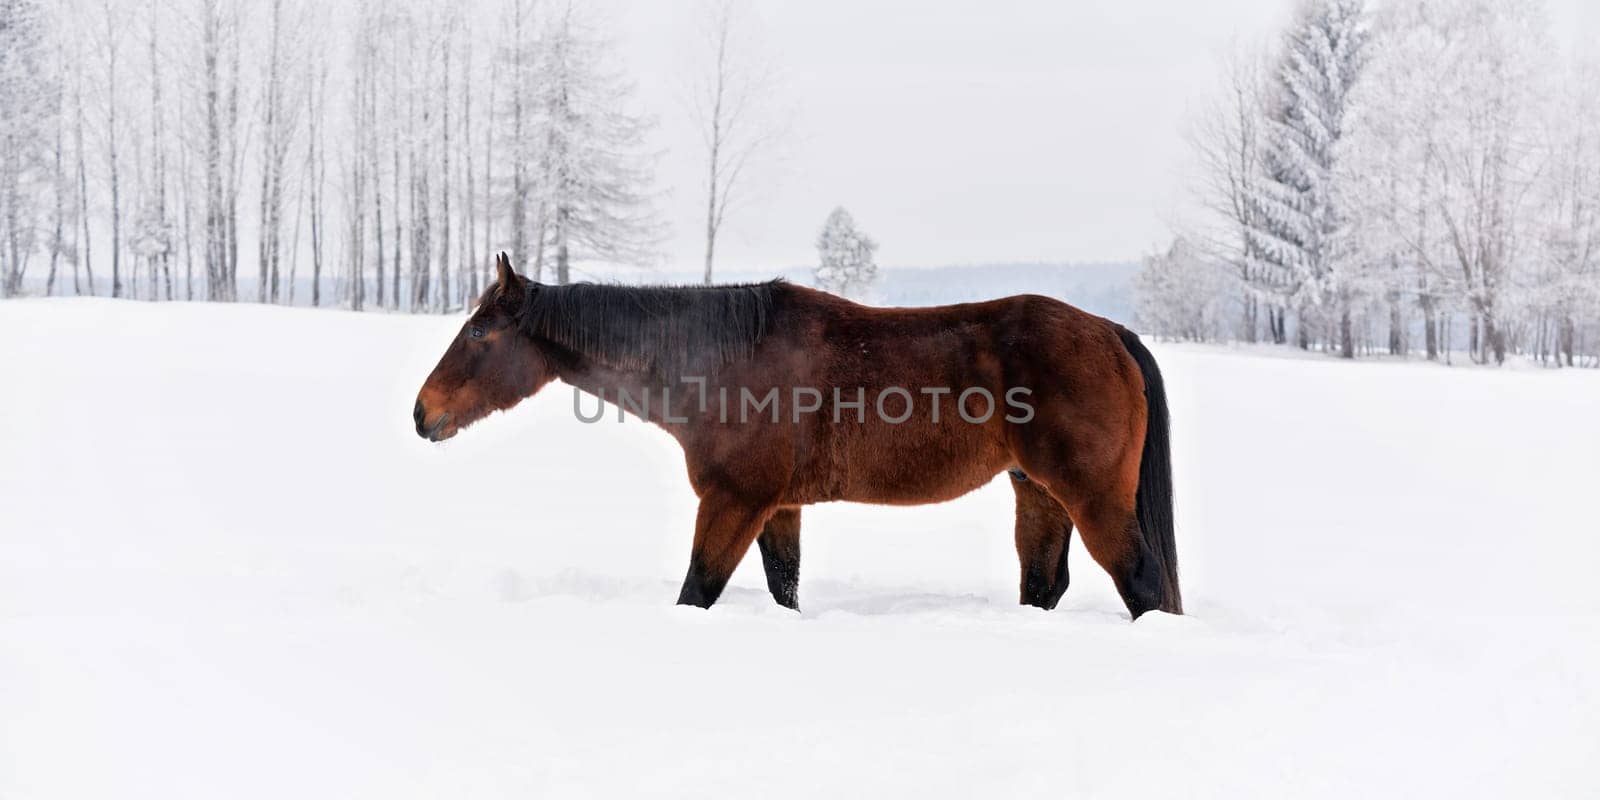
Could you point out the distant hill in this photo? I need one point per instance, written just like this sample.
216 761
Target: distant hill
1104 289
1099 288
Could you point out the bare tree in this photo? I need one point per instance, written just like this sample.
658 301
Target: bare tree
153 236
395 119
488 179
110 48
419 124
218 123
80 153
731 106
467 278
1225 140
234 164
362 160
316 162
58 177
279 112
518 63
446 49
372 27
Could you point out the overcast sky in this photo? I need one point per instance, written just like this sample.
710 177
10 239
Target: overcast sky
961 132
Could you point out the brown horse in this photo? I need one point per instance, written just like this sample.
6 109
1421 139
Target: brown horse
783 396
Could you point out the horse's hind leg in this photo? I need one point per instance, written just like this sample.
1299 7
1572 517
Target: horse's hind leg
723 531
1043 533
1111 534
1097 489
780 555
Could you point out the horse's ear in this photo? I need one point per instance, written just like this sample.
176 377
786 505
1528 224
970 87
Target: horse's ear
508 277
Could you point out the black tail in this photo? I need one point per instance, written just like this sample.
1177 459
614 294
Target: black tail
1153 502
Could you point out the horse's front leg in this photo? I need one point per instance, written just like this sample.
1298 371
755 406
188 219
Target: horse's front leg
723 531
780 555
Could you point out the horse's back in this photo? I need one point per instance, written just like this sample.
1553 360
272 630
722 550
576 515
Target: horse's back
1012 357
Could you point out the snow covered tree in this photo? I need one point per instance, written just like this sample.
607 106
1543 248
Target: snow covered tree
1488 152
1377 162
1296 219
845 263
27 104
1421 162
1183 294
596 176
1450 155
1566 295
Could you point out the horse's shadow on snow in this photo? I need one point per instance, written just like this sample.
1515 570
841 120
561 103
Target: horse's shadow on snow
872 601
820 598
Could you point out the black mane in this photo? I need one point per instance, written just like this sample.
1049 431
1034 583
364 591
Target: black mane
660 329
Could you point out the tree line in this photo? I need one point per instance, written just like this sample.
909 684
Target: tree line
370 155
1406 178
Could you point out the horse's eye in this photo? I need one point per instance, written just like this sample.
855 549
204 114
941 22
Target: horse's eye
475 332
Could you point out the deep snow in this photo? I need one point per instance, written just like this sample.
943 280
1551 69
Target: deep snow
228 568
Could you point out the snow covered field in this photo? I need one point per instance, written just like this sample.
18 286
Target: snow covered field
229 568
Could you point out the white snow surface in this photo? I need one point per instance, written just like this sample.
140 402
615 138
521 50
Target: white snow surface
229 568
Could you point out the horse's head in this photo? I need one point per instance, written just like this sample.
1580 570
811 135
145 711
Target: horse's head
490 366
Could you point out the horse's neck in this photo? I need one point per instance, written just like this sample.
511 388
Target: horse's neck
673 405
603 380
595 378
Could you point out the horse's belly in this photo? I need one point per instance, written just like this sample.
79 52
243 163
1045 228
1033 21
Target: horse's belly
916 473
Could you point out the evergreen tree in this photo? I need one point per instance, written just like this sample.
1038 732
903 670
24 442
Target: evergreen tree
1294 237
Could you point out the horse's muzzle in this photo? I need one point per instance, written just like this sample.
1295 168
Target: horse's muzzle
426 431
